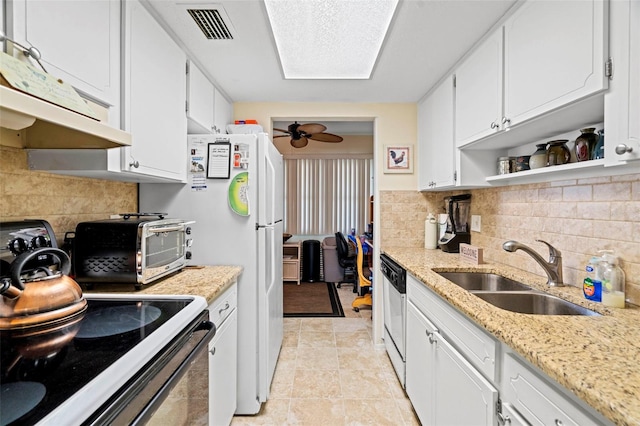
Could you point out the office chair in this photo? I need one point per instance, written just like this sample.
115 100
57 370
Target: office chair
346 261
363 300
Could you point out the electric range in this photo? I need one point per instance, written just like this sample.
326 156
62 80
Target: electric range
108 365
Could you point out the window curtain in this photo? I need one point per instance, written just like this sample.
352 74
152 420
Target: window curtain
326 195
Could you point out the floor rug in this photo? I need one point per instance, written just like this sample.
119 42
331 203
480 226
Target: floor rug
318 299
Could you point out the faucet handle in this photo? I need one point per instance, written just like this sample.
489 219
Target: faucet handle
554 253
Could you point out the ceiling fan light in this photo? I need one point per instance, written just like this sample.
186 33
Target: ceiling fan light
329 39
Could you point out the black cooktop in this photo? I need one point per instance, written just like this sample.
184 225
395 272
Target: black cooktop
40 372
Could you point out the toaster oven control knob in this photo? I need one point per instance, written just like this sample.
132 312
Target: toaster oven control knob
189 242
187 255
188 230
18 246
39 241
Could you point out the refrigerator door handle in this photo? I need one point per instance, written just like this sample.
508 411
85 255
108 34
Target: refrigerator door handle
271 225
272 177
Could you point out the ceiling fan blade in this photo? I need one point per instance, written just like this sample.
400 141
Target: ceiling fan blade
299 143
280 130
325 137
281 136
311 128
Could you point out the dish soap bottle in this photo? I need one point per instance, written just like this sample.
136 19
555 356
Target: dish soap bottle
592 284
612 282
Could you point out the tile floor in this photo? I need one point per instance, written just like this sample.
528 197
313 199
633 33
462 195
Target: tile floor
329 373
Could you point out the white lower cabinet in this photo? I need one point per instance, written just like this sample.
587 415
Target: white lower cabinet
444 387
223 358
536 400
458 374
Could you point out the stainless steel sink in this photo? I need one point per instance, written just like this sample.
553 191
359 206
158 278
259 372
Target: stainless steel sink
533 303
480 281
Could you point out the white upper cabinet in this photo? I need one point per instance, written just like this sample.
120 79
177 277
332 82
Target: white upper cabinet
622 102
79 42
200 101
436 164
440 164
538 74
554 54
479 92
155 96
223 113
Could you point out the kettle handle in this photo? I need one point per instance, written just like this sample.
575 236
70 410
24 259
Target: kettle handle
21 260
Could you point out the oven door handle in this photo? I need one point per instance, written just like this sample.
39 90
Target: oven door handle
162 393
166 229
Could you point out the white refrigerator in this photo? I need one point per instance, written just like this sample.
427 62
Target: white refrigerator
235 195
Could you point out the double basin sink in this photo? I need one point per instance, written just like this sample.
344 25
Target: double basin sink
512 295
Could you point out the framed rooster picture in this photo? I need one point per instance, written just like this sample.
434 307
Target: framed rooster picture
398 159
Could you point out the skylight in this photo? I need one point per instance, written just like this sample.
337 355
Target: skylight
329 39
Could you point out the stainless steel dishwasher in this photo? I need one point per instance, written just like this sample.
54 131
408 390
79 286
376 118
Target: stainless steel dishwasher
394 286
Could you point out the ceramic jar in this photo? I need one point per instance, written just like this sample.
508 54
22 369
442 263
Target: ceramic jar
539 158
586 144
522 163
558 152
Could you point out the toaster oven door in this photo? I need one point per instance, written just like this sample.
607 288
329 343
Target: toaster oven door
163 250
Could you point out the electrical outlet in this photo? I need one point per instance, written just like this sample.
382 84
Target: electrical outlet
476 223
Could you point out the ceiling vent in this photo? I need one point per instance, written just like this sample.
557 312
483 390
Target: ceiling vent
213 22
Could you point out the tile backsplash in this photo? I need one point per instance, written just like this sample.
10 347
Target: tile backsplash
63 201
579 217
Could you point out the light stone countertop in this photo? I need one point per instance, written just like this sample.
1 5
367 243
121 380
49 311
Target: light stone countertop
596 358
206 281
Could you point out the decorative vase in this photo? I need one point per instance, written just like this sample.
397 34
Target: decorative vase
558 152
539 158
586 144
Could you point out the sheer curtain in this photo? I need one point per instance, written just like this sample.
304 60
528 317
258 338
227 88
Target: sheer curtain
326 195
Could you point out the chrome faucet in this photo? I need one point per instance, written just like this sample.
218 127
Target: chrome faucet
553 267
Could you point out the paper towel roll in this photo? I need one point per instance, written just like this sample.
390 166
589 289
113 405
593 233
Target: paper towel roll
430 232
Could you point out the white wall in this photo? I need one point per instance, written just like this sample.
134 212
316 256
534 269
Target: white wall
394 123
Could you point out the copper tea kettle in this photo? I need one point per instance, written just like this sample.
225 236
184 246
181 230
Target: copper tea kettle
49 298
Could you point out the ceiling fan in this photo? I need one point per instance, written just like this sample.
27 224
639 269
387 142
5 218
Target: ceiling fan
301 133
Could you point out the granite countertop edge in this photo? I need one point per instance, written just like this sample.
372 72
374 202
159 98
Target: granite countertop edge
206 281
592 357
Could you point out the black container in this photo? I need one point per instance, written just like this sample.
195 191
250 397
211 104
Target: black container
311 260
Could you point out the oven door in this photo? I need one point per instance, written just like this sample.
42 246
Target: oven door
172 389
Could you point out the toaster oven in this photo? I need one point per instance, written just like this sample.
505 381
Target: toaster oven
134 249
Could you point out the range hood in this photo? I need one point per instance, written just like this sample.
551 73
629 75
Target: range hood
46 125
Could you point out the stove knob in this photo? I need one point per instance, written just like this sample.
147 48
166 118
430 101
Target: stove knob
187 255
188 230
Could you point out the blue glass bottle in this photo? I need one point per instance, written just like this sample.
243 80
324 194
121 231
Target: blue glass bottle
598 151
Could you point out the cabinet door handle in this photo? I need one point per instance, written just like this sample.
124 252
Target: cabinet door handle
226 306
212 351
135 164
506 123
623 149
504 419
494 125
431 336
559 422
